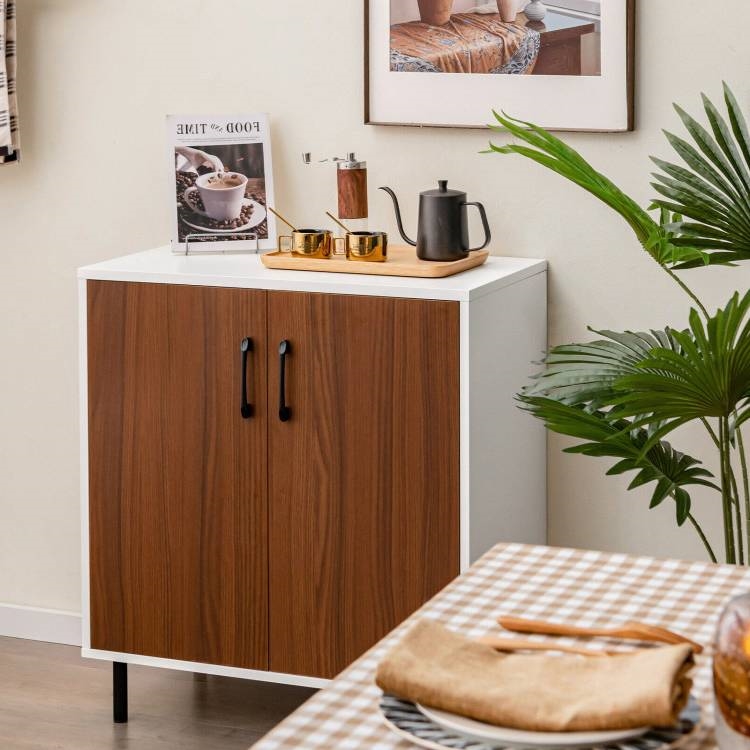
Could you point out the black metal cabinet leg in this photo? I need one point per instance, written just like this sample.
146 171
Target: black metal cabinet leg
119 692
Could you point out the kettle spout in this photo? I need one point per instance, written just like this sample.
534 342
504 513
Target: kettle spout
398 215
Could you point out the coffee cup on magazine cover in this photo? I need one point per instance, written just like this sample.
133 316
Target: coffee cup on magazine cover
222 194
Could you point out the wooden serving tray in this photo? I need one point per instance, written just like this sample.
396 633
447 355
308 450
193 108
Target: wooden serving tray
402 261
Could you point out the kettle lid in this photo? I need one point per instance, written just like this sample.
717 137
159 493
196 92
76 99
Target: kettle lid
443 191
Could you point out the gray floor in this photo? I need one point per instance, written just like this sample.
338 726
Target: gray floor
51 699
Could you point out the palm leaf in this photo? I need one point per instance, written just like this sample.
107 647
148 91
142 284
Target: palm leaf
707 376
659 380
670 470
708 146
587 374
726 143
713 192
738 123
691 180
704 209
552 153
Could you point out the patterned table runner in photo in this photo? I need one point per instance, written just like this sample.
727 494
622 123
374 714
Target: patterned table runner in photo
543 583
468 43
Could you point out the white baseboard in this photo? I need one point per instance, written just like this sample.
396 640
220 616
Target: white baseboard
35 624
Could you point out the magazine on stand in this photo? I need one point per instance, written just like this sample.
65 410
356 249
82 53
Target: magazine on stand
222 177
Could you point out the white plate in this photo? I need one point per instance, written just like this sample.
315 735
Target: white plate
256 218
517 738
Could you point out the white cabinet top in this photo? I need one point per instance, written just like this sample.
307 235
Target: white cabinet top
162 266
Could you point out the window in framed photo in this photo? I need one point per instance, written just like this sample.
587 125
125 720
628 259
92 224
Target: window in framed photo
563 64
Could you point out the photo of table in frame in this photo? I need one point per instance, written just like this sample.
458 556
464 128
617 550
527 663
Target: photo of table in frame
483 43
560 43
544 583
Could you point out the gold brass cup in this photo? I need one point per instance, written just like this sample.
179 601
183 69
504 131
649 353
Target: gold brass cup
307 243
371 247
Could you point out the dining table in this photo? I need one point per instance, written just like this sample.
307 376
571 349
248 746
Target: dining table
581 587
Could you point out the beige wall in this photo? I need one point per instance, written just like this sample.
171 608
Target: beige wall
96 79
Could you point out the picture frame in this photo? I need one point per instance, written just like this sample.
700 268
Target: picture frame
220 183
411 81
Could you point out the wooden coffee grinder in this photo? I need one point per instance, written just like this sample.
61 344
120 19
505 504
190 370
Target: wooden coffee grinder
351 179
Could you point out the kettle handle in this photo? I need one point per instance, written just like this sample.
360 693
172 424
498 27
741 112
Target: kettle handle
485 224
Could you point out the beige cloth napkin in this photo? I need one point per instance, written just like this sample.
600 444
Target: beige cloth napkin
538 692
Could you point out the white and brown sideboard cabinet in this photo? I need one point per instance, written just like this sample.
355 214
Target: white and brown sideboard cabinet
279 467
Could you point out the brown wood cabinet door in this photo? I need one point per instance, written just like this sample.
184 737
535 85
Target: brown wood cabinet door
177 477
364 477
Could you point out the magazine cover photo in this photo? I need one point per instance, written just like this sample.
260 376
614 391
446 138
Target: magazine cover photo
221 182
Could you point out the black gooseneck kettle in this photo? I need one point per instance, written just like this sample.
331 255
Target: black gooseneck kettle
442 232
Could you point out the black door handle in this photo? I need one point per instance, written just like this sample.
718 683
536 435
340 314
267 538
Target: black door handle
285 413
246 408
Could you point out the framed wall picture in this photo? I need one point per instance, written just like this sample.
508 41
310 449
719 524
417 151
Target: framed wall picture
563 64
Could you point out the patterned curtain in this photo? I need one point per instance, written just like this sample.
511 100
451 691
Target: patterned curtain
9 143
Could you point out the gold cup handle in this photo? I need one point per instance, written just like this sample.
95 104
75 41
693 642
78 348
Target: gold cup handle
336 251
280 247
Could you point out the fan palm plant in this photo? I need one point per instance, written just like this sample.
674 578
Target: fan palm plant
621 395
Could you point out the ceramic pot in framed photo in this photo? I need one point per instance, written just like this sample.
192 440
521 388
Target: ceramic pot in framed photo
435 12
535 10
508 10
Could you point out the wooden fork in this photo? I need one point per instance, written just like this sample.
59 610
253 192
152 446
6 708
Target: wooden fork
638 631
513 644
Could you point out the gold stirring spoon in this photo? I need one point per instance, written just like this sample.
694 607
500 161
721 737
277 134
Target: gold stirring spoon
331 216
279 216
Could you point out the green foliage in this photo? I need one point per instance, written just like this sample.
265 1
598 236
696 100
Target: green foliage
620 395
704 204
708 377
713 192
553 153
580 394
585 374
603 436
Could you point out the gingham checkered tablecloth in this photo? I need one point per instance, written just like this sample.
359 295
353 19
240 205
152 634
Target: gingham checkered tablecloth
573 586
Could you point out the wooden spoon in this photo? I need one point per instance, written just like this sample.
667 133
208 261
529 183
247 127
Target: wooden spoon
512 644
638 631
